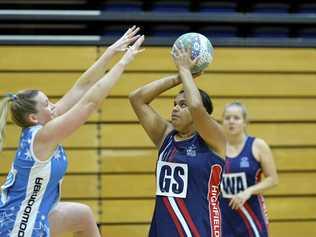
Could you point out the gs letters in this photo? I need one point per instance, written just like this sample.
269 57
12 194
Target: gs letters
171 179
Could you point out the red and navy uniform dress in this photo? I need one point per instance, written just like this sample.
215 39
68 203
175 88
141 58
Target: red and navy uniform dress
241 172
188 176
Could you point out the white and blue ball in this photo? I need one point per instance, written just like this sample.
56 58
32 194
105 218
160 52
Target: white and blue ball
200 46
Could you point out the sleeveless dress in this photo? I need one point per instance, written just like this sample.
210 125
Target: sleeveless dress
241 172
31 189
188 176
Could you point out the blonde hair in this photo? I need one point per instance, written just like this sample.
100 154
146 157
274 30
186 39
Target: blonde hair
3 118
242 107
22 104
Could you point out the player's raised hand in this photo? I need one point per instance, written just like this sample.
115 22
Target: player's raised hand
133 50
122 43
182 56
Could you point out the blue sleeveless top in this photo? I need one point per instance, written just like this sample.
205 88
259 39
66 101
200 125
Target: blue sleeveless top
188 175
241 172
31 189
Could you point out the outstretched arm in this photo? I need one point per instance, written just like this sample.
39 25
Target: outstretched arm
205 125
95 72
63 126
155 126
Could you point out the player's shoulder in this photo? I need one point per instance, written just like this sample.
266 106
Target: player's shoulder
260 147
260 143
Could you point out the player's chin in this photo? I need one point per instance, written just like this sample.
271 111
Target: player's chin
233 131
173 122
176 125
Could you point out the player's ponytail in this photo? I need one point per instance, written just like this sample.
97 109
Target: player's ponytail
22 104
4 104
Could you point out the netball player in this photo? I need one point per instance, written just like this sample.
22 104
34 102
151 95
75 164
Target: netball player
242 204
191 155
29 203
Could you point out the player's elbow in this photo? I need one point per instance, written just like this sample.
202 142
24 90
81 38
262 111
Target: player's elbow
132 96
135 97
196 106
274 180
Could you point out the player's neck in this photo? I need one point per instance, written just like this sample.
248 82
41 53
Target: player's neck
236 140
183 135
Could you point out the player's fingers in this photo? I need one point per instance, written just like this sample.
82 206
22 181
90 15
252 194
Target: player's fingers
232 202
138 42
182 48
188 49
128 31
133 32
141 50
234 205
177 50
130 40
195 60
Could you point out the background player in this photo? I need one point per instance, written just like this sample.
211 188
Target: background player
243 209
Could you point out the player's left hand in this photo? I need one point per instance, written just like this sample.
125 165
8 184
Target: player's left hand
239 200
122 43
133 50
